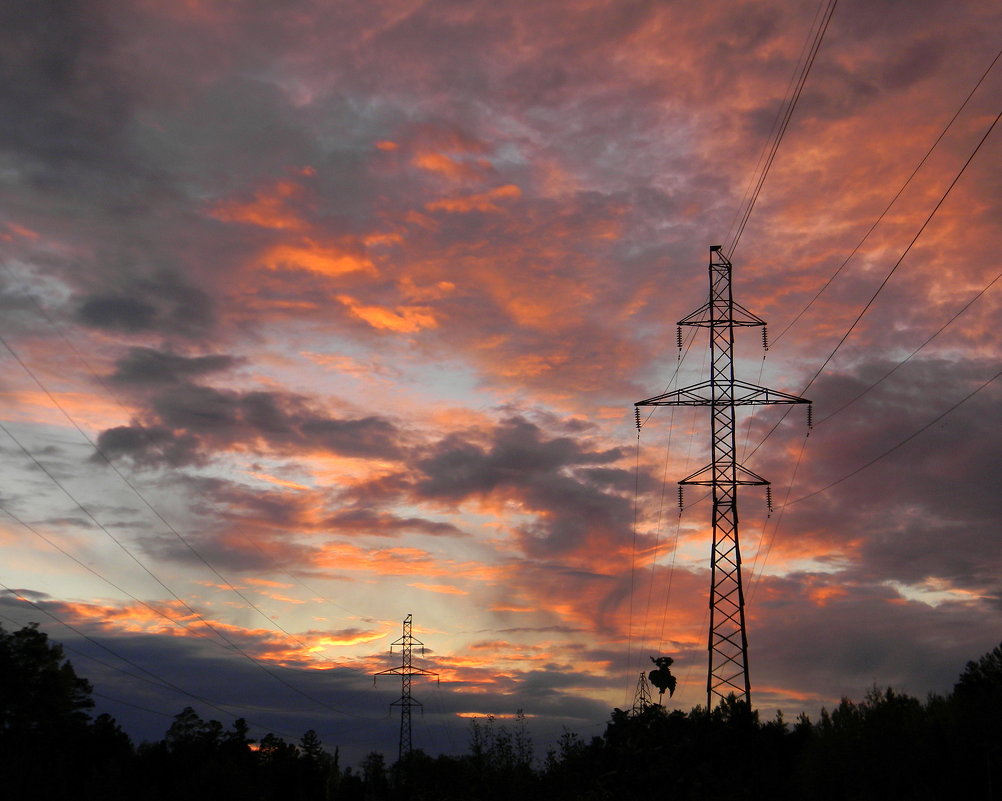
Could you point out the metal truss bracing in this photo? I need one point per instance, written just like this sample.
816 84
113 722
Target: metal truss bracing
641 696
727 641
406 670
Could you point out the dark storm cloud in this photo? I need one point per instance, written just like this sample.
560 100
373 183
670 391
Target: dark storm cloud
60 103
164 302
251 506
365 521
517 453
184 671
838 637
117 313
186 413
924 512
148 446
147 366
574 508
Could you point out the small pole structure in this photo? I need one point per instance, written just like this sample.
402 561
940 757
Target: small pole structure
406 644
727 642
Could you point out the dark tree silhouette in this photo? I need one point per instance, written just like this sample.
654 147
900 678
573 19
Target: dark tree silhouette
40 693
45 740
977 698
889 745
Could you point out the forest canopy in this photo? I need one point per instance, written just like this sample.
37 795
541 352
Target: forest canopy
888 745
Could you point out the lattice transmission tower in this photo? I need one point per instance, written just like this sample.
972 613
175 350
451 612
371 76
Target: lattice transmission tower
727 641
406 702
641 696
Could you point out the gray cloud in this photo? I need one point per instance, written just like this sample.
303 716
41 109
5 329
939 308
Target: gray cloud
148 446
165 302
148 367
61 102
368 522
190 421
517 453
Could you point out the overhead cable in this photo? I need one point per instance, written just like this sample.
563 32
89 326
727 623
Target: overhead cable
892 201
887 277
788 114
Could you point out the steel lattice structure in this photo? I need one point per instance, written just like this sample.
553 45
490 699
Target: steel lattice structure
727 641
406 670
642 695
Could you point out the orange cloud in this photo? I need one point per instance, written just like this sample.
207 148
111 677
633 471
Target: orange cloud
495 715
18 230
444 589
344 638
404 319
315 258
268 583
264 644
268 209
448 167
90 411
404 562
279 482
483 201
822 595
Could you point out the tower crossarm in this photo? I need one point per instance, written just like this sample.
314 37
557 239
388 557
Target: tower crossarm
739 393
705 477
405 671
707 317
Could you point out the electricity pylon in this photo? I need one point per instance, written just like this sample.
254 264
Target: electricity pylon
642 696
406 644
727 641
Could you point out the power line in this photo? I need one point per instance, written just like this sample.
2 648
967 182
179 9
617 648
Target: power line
230 643
633 552
154 679
901 258
53 544
228 584
158 679
757 570
901 443
684 347
902 362
775 122
892 201
887 277
145 434
657 529
815 46
909 357
103 528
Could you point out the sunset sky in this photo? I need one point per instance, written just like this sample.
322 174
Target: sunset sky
316 314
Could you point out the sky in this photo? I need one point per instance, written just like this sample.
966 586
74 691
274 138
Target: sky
320 314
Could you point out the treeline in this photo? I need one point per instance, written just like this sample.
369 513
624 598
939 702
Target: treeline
888 745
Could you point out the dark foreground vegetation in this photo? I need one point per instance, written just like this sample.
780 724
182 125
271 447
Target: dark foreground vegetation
887 746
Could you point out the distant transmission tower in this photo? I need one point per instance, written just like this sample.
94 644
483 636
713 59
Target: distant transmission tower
727 642
642 696
406 644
